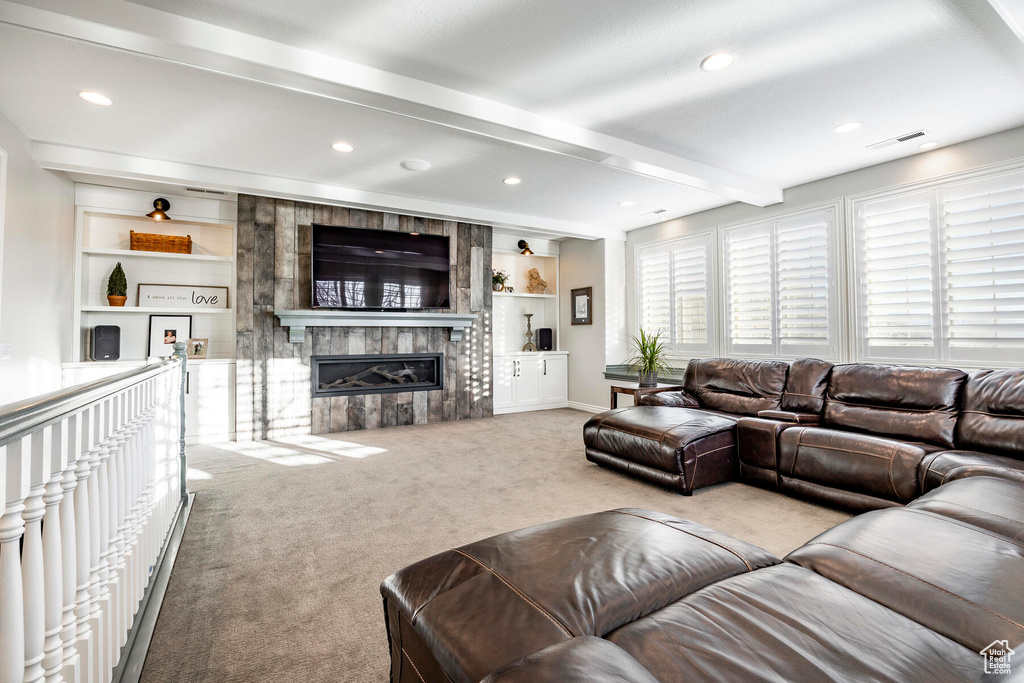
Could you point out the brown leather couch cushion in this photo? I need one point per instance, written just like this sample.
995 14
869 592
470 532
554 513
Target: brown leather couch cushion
871 465
984 502
939 468
579 576
786 623
992 419
581 660
948 576
806 386
789 416
740 387
916 404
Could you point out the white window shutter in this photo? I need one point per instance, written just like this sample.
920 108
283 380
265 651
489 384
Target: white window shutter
691 295
803 254
654 276
749 297
896 248
983 250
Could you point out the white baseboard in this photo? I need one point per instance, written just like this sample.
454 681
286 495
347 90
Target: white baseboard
528 409
586 407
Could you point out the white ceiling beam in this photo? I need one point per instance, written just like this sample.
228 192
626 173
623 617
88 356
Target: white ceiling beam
1011 12
133 28
69 159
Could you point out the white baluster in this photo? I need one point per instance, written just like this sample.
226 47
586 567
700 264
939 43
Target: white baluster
12 527
53 563
115 480
69 551
97 541
85 644
32 556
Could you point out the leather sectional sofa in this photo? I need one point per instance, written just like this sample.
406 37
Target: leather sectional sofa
857 436
914 591
902 594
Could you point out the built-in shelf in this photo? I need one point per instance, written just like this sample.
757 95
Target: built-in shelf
525 296
123 253
298 321
154 309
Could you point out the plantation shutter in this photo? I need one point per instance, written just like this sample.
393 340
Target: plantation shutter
691 295
802 267
896 249
748 279
654 274
983 250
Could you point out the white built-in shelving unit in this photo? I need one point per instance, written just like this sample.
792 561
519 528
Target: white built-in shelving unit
530 380
104 218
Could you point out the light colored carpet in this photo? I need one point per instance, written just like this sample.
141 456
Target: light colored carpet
278 573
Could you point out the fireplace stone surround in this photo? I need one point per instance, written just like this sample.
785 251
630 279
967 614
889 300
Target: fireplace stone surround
273 387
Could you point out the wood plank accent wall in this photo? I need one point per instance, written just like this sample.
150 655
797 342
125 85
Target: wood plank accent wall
273 375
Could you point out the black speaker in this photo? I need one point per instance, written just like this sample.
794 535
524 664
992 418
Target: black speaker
545 339
106 342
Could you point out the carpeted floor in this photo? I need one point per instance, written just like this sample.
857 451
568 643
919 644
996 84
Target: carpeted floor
277 577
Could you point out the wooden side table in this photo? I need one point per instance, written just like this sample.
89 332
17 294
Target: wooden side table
636 391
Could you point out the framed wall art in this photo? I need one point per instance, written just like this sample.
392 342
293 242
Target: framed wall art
183 296
196 347
165 330
581 301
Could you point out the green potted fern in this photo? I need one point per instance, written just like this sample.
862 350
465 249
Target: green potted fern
649 357
117 287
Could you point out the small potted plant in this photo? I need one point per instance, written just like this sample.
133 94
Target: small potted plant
649 357
498 279
117 287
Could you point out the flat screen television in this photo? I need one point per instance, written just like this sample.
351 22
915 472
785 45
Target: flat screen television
379 270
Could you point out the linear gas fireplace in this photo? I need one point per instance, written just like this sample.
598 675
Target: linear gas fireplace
377 374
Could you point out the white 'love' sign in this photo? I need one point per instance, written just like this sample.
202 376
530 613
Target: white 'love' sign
183 296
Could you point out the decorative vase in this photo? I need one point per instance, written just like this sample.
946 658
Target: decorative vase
648 379
116 300
498 287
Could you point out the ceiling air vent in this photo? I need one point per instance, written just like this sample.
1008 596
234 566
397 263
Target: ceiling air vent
656 211
896 140
198 189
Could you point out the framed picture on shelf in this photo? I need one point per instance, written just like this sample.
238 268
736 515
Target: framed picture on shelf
196 347
183 296
165 330
581 300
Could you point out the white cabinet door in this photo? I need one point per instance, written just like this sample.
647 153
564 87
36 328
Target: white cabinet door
210 402
504 382
529 379
555 379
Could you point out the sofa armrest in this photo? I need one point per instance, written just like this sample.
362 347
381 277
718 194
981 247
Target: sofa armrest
676 399
757 444
938 468
585 659
790 416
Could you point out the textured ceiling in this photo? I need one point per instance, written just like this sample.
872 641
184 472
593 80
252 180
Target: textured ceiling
625 68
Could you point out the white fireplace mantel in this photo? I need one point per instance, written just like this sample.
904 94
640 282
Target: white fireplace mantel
298 321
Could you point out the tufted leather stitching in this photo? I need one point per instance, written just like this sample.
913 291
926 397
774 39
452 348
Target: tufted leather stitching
984 512
690 533
518 592
917 578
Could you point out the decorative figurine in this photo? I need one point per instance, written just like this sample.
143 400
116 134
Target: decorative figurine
536 285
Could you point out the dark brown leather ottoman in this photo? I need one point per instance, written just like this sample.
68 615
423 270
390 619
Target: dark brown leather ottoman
681 448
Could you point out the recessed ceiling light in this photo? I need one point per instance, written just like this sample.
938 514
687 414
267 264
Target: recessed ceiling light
512 180
95 98
415 165
849 126
718 61
929 145
342 146
627 203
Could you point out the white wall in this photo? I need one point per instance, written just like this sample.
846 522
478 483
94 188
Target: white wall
38 244
599 264
991 149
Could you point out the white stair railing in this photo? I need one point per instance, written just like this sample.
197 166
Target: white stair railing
91 479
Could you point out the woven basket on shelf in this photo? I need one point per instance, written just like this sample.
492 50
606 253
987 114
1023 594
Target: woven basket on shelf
145 241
